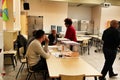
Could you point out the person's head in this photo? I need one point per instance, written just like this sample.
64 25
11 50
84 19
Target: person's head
53 32
119 24
34 32
19 32
40 35
68 22
114 23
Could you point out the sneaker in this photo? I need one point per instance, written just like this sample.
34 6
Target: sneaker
113 75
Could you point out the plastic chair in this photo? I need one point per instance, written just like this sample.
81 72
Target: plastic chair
72 77
84 46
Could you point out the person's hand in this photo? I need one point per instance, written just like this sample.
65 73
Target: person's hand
46 39
54 43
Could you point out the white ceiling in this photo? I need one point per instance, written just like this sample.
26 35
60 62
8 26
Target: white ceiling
89 3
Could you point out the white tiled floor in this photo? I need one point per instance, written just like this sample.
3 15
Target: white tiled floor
94 59
97 61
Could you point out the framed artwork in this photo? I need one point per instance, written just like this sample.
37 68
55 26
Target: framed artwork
59 29
53 27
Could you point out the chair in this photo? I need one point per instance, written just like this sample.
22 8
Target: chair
30 72
84 46
12 55
22 60
72 77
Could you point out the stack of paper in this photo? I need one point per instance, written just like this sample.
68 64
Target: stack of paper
70 42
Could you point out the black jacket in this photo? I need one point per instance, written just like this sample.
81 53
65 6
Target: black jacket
52 39
111 38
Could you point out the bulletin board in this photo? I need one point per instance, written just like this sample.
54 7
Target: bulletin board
53 27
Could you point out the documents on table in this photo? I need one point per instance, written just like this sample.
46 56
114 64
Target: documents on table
63 39
70 42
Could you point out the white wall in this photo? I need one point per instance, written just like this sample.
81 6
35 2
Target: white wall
53 13
96 17
101 15
110 13
80 13
16 14
1 34
1 45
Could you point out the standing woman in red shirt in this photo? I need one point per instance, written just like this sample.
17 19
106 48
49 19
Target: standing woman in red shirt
70 32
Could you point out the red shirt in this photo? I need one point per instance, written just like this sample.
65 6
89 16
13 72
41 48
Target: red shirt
71 33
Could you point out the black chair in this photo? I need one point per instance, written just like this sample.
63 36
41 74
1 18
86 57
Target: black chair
30 72
22 60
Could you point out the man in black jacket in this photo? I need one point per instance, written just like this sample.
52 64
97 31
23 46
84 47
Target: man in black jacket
111 41
53 37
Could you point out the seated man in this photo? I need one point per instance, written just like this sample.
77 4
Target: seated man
53 37
36 55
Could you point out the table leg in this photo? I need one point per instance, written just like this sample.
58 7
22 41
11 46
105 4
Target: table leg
81 51
88 49
12 59
95 77
15 60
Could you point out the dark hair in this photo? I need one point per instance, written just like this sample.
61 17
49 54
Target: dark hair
19 32
68 21
34 32
39 34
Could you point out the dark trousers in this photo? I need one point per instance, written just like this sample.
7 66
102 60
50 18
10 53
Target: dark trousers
41 65
110 56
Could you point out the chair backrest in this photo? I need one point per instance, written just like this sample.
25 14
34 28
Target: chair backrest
72 77
85 43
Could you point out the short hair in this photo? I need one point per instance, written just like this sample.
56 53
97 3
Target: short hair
34 32
113 22
39 34
68 21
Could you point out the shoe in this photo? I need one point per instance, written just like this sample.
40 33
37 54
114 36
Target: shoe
102 78
113 75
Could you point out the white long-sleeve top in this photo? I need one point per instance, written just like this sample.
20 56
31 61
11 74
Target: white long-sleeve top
34 51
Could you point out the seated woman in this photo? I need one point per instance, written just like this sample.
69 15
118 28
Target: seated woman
36 54
53 37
